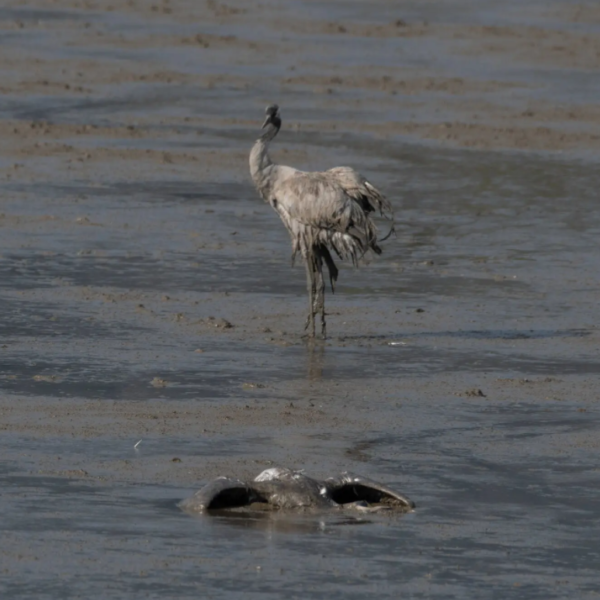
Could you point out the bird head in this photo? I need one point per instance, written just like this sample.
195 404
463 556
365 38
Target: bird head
272 116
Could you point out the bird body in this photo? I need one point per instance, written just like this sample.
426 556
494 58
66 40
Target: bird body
322 211
279 488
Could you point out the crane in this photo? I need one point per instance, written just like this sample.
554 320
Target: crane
322 211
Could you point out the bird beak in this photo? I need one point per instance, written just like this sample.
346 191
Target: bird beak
267 121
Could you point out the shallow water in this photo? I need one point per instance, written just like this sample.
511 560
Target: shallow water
149 299
484 525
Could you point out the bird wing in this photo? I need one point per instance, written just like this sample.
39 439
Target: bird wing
362 191
316 200
347 487
222 492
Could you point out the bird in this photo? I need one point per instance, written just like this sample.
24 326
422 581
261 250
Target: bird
279 488
323 211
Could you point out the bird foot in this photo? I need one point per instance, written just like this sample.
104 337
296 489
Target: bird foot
307 325
312 339
310 325
310 334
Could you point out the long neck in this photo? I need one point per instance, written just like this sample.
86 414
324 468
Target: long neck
260 161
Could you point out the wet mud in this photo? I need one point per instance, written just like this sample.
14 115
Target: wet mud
151 331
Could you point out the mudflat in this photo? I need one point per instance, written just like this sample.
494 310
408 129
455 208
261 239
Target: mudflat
151 330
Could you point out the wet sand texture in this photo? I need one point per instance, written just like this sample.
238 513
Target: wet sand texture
150 337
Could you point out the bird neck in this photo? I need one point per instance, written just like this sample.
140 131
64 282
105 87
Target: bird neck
260 161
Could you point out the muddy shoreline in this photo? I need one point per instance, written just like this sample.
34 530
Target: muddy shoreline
151 337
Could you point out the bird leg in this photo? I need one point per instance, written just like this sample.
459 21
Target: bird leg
320 300
319 306
333 271
316 291
310 285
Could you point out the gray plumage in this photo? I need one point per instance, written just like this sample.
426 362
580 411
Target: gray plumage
282 489
322 211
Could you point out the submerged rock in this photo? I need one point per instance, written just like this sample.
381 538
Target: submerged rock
279 488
